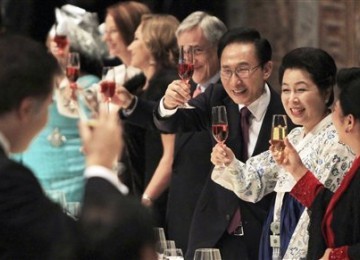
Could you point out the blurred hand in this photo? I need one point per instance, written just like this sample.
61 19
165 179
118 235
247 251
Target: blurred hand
59 53
177 93
221 155
122 97
326 254
289 159
102 143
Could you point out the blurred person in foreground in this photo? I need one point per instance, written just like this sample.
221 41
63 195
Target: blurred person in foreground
31 224
334 231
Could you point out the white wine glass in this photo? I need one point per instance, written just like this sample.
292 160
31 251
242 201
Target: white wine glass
186 67
207 254
278 132
173 254
162 245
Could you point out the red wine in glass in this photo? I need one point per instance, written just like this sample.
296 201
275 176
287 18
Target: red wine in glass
61 41
72 73
220 132
108 88
185 70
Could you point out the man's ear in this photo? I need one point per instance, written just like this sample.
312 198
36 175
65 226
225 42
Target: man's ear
26 109
268 67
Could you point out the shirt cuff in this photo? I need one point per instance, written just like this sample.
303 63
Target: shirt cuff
129 111
107 174
163 112
339 253
306 189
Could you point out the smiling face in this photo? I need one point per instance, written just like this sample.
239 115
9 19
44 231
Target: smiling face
238 56
140 54
114 41
206 63
302 100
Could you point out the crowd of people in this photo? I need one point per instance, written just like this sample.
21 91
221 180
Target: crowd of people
244 196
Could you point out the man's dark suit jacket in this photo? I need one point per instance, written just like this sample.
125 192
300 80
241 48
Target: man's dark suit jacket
30 224
190 169
216 205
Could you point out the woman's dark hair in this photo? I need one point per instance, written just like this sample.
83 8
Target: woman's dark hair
317 62
348 82
247 35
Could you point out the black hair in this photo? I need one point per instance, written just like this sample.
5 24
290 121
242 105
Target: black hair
247 35
27 70
317 62
348 82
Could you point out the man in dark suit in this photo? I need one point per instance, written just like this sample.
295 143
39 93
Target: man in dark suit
30 224
245 65
191 163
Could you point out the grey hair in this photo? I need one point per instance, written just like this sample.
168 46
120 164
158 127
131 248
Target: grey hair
212 27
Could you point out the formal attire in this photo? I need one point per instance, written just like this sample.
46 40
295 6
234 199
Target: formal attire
335 216
32 226
144 143
55 154
217 205
320 152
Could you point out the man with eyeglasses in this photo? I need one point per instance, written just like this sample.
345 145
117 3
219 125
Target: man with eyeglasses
221 219
191 165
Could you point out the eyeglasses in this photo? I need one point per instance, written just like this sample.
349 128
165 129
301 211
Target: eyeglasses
241 72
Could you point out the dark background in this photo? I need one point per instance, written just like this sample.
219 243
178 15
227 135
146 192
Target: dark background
35 17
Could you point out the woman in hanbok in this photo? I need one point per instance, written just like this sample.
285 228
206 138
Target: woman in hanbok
334 223
307 77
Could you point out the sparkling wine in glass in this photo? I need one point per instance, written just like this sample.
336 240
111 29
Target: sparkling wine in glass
73 68
220 128
108 84
186 67
278 132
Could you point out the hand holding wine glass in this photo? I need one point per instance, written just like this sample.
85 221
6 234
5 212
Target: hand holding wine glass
278 132
73 68
220 128
186 67
108 84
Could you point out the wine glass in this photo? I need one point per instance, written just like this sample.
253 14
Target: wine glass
278 132
173 254
73 69
159 234
88 106
162 245
108 84
207 254
220 128
60 37
186 67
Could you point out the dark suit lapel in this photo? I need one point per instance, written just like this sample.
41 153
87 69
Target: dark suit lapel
275 107
234 124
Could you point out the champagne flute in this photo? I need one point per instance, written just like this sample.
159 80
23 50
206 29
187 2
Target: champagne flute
186 67
278 132
207 254
73 68
108 84
220 128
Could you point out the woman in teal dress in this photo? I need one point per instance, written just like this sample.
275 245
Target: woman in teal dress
55 154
